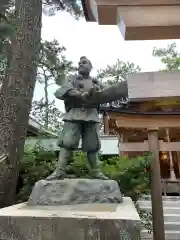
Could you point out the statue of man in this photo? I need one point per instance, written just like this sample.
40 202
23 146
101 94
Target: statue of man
80 121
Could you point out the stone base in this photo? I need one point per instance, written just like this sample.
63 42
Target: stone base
70 222
75 191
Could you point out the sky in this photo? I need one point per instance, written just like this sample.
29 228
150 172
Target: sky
103 45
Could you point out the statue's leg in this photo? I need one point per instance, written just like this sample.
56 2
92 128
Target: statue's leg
60 171
93 161
68 141
91 144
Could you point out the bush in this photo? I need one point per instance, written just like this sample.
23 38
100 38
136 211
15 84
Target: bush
37 163
131 174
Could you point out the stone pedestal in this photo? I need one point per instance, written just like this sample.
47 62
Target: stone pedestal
75 191
105 221
72 209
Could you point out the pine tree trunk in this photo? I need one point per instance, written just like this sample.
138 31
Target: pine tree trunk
16 95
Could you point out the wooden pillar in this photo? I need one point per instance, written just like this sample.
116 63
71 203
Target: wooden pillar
106 124
122 138
172 173
156 192
178 160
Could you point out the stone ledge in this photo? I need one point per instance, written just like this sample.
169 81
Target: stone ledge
82 221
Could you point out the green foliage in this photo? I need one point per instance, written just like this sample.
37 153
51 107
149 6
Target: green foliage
131 174
35 165
169 56
72 6
7 22
78 167
48 115
52 69
117 72
52 63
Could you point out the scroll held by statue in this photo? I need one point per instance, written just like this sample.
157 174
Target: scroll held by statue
111 93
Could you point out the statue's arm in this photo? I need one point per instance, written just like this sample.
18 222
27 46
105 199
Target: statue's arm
99 86
67 90
103 86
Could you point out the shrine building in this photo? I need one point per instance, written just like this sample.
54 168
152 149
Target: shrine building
152 103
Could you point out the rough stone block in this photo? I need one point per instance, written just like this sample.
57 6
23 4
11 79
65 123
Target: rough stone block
75 191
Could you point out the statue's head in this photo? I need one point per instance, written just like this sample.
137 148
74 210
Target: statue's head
85 66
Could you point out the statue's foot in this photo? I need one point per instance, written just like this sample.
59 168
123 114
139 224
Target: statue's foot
56 175
99 175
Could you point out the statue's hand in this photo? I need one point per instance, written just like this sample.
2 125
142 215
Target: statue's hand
85 95
93 91
74 93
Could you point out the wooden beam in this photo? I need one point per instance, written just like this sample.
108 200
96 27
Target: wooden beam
149 16
144 146
146 121
150 33
134 147
136 2
169 146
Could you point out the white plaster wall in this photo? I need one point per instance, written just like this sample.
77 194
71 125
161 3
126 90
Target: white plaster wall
109 144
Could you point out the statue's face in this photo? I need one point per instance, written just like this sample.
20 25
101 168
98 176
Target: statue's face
84 67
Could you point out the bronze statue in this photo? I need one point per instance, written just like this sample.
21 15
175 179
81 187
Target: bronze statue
80 120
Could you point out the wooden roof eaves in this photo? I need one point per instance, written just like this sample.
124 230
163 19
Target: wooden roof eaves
86 8
128 111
